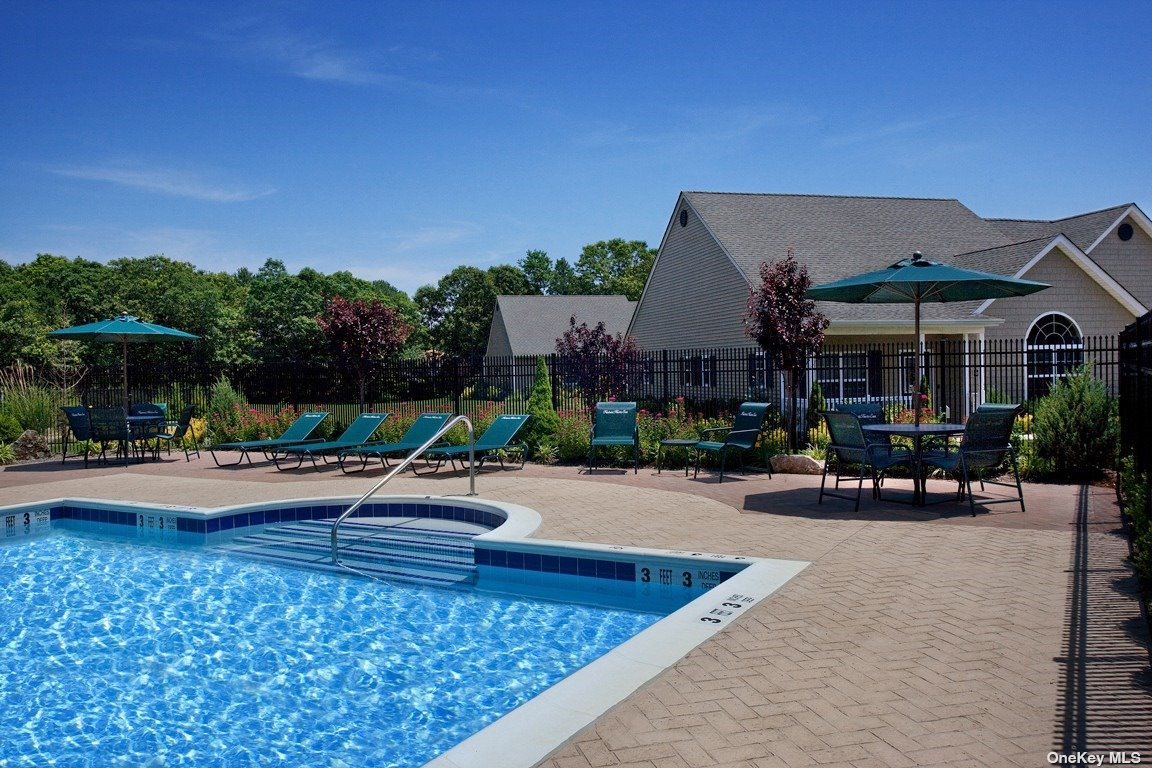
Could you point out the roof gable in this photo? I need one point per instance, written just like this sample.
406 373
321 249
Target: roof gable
533 323
1084 230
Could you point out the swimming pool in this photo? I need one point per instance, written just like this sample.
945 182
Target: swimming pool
192 655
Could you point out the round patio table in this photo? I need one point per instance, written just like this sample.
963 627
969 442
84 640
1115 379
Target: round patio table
674 443
917 432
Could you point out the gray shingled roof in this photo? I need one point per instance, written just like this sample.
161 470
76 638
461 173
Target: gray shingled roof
839 236
535 322
1082 230
836 237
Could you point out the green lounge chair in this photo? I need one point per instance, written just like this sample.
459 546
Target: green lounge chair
495 441
358 433
985 446
849 450
422 430
295 435
614 424
738 438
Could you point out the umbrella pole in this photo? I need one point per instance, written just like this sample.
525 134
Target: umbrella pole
124 371
916 383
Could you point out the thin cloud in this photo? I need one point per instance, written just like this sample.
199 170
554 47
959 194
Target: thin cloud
432 237
310 57
162 181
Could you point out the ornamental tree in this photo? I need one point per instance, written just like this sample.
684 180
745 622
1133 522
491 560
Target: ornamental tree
362 333
598 362
785 325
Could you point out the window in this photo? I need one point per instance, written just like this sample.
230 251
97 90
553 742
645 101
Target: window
698 370
759 373
1053 350
843 376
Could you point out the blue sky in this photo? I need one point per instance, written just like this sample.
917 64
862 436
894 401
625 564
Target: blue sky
398 140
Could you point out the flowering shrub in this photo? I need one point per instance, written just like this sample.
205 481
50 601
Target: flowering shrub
573 436
239 423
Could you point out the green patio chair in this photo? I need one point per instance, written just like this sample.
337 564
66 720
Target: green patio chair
985 447
110 427
296 434
423 429
614 424
1013 407
854 458
79 430
738 438
358 433
494 443
869 413
179 431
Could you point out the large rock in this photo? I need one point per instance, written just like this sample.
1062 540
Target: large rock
796 464
31 445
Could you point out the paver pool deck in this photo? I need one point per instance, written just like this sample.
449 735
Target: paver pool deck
915 637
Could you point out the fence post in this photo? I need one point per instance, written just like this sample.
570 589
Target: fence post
554 379
457 386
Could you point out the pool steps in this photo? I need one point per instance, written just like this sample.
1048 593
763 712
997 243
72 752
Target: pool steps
404 553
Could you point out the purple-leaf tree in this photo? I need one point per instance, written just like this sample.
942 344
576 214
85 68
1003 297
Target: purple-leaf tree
362 334
785 325
598 362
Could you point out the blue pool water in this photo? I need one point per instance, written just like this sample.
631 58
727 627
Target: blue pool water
117 654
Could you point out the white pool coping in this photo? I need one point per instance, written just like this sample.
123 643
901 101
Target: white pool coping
527 734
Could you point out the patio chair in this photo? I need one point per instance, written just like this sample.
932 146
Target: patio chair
1013 407
181 431
738 438
423 429
110 426
358 433
614 424
494 443
867 413
79 431
145 420
854 458
296 434
985 447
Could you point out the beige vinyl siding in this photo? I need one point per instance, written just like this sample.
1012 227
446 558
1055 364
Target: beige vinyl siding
1128 262
1073 293
695 297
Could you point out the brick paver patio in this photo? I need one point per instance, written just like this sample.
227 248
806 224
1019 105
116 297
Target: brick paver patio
914 637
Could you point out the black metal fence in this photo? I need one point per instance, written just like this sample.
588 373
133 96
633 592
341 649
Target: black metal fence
1136 392
958 376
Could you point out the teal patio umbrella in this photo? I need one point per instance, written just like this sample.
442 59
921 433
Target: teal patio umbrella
918 280
126 330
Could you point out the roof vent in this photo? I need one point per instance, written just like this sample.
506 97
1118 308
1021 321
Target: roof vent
684 217
1124 231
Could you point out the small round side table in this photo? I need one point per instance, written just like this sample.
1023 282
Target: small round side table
675 443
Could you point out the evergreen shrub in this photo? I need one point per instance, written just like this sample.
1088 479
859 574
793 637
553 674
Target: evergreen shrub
1077 428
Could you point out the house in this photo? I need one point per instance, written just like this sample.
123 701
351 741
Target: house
1099 265
525 327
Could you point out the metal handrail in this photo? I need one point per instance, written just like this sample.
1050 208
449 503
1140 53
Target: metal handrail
403 464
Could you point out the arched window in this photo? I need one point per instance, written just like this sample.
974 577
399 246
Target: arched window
1054 349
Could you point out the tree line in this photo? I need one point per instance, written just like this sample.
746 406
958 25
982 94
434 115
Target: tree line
271 315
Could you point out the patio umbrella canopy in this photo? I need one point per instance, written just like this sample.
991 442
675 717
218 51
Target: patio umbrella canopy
918 280
126 330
